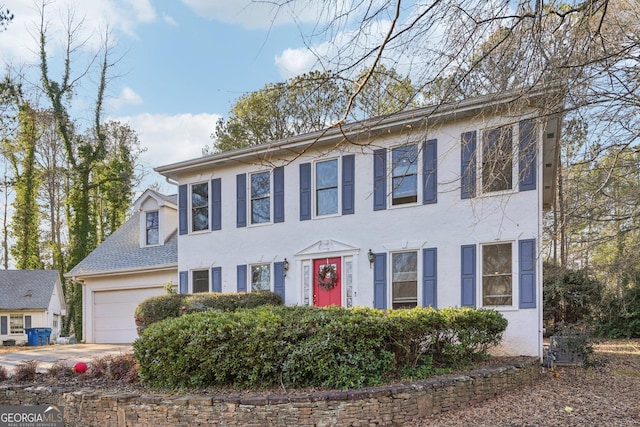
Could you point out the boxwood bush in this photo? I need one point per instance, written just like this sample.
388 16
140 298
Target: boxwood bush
308 346
163 307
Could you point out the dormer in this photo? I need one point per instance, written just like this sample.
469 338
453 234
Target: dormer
158 217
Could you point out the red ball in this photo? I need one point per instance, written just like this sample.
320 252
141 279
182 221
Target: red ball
80 367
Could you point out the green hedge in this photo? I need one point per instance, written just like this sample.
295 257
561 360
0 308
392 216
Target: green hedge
308 346
163 307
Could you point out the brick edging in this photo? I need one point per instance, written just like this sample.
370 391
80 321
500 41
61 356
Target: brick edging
383 405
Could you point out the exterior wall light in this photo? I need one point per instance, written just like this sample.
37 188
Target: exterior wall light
371 257
286 266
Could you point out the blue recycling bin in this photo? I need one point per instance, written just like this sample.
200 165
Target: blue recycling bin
38 336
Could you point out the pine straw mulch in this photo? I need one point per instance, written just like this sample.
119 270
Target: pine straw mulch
607 394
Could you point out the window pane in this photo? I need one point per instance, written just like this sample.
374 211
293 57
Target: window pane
152 236
200 219
260 210
497 156
200 206
261 277
327 201
404 279
405 179
327 174
199 195
260 197
152 228
201 281
16 325
497 284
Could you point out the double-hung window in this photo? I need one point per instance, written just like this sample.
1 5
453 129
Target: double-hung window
497 159
16 323
260 197
261 277
404 175
200 206
327 187
404 278
200 281
497 288
152 230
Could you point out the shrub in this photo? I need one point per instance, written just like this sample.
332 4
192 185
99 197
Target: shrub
60 371
25 371
163 307
309 346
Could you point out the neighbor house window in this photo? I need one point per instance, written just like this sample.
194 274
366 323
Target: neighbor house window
261 277
200 206
404 277
153 237
260 197
496 274
327 187
200 281
16 323
497 160
404 170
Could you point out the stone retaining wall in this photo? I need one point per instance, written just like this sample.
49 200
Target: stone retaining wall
386 405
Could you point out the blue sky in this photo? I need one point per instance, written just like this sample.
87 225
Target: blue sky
182 64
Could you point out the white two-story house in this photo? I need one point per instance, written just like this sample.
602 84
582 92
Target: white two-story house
429 207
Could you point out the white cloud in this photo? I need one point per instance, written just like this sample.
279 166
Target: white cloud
252 14
170 139
126 97
169 20
294 62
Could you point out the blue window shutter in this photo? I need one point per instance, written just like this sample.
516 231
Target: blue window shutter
380 179
468 165
430 171
183 217
27 322
278 279
241 200
468 276
348 184
527 274
305 191
278 194
430 277
184 282
216 204
242 278
380 281
216 279
528 154
3 326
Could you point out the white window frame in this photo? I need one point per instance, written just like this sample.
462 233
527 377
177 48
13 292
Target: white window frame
513 275
147 228
418 274
480 160
250 198
14 329
191 207
193 280
314 202
419 188
250 276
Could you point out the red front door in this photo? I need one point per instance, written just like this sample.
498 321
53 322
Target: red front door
327 289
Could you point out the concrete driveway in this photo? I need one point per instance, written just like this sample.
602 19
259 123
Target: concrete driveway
69 354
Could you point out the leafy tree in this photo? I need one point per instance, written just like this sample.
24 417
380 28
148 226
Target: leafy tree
5 17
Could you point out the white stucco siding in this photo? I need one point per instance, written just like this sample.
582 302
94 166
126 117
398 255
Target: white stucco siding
109 303
508 216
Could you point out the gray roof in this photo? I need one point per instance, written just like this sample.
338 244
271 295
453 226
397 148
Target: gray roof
122 252
27 289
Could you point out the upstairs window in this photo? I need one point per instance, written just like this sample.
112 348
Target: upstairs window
404 170
327 187
200 206
200 281
261 277
497 160
260 198
152 230
497 281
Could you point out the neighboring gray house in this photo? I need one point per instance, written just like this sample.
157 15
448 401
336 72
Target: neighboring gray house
132 264
30 299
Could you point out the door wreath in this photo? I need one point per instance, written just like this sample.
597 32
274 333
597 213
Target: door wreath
327 277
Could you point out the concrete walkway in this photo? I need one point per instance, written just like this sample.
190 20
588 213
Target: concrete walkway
69 354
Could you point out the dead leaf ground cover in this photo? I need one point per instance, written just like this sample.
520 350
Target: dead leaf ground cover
607 394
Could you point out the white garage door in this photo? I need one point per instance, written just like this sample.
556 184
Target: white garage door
113 314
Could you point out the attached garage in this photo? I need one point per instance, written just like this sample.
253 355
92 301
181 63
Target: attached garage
113 314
